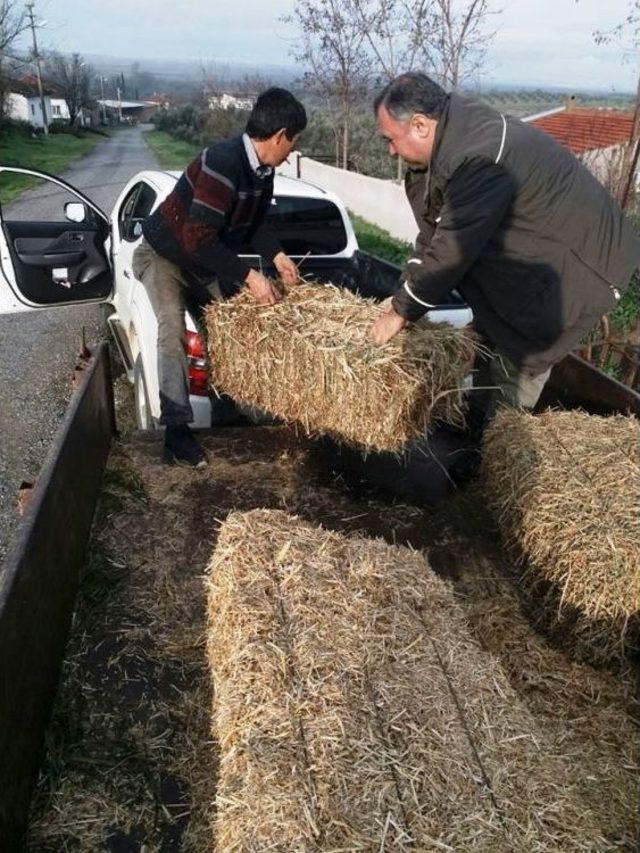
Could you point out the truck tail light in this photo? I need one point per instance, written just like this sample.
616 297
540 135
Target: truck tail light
198 379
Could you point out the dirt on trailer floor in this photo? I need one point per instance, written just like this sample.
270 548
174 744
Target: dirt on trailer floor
130 763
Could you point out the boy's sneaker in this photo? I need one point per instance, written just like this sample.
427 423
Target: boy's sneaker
181 447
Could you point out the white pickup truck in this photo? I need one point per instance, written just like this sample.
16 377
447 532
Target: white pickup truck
85 256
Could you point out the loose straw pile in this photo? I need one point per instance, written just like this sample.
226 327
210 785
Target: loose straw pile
308 360
565 489
354 712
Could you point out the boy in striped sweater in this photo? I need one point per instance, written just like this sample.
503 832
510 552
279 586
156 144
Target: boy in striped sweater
190 249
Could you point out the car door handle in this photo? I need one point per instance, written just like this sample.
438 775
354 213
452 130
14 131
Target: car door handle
51 259
126 273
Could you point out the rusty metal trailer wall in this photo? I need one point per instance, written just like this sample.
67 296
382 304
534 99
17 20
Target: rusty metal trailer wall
38 587
574 383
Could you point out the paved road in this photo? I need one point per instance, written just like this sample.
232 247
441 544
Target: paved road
38 349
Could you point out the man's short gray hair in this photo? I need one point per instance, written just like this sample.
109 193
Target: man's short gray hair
409 94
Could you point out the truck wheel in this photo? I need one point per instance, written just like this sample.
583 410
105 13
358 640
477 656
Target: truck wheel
144 419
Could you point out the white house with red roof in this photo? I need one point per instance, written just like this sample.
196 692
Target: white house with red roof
598 137
24 104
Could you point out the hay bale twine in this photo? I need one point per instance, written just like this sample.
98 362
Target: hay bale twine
354 712
565 490
308 361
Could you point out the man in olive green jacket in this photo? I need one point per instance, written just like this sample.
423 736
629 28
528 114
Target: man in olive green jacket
512 220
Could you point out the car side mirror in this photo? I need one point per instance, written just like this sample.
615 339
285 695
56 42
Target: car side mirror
75 211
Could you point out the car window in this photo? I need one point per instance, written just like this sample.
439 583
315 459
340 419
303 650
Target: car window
45 202
135 208
126 211
307 225
144 202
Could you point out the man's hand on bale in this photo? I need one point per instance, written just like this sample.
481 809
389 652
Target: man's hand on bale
387 326
287 270
262 289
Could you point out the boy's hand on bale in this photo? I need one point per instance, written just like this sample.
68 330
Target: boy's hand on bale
287 270
387 326
262 289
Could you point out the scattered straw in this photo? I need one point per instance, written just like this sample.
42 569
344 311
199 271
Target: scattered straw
565 488
354 712
130 760
308 360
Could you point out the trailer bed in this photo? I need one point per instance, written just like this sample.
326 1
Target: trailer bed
130 762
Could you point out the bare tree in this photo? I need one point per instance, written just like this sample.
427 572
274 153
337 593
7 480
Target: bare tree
627 34
345 45
454 37
13 22
333 50
445 38
390 28
72 76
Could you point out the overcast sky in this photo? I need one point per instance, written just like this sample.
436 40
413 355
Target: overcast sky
538 42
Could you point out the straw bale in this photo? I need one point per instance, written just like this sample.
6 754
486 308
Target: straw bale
354 711
308 360
565 489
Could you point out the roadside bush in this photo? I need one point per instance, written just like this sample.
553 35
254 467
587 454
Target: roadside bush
221 124
62 126
178 120
627 312
367 152
20 127
199 125
375 240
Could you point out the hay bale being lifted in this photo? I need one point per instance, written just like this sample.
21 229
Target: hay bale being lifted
565 489
308 360
354 712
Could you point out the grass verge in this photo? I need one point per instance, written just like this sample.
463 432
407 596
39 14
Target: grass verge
171 153
375 240
51 154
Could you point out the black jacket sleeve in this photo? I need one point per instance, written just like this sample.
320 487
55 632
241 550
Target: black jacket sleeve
475 200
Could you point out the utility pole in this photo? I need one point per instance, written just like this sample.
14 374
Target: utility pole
45 121
103 105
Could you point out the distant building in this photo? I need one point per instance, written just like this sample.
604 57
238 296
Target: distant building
142 111
23 102
59 109
228 100
598 137
160 99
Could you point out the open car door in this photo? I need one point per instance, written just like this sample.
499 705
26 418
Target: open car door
54 247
